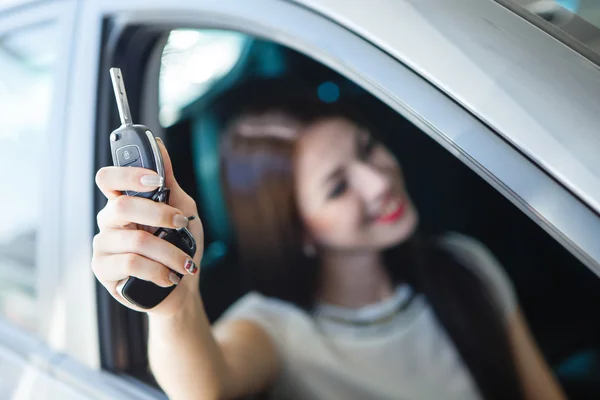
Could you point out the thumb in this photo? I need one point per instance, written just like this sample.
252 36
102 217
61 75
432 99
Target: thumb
170 181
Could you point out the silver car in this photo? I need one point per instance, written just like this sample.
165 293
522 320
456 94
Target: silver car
496 105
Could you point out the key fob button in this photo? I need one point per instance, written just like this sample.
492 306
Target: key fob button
128 155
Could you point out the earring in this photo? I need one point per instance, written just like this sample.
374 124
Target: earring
310 250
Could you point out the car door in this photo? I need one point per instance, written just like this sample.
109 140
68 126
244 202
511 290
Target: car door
34 52
39 359
457 91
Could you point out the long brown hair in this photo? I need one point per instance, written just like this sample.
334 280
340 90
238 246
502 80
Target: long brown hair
257 176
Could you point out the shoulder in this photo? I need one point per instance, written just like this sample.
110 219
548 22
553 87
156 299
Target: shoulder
276 317
475 255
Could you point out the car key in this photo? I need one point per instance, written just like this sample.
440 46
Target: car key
134 145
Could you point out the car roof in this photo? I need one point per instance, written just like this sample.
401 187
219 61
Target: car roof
538 93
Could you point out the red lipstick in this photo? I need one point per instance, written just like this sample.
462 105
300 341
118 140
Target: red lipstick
393 211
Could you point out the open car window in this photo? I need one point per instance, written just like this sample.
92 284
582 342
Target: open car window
439 143
537 265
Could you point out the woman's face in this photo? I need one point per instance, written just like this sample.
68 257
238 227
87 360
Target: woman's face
350 189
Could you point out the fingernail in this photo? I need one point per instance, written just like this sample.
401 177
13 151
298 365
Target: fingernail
179 221
190 267
159 140
152 180
174 278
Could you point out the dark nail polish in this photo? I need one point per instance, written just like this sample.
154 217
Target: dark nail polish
190 267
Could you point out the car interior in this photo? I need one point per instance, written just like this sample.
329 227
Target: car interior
557 293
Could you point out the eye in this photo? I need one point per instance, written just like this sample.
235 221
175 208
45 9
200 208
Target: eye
339 189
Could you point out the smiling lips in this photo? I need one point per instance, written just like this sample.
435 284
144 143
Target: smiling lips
392 211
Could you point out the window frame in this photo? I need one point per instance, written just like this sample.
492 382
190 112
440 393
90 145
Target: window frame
428 107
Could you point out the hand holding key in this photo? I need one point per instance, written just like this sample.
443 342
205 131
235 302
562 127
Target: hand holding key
147 240
126 246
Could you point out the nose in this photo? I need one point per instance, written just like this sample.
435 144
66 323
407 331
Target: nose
371 183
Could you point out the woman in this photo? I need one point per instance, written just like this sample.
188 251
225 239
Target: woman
349 300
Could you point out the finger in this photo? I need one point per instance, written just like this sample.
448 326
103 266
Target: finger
114 180
168 166
177 196
124 210
113 268
145 244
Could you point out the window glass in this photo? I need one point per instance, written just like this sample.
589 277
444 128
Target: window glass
578 19
589 10
27 56
192 61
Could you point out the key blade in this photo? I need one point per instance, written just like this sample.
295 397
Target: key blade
121 96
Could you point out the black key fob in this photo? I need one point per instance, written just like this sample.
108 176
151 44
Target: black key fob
146 294
134 145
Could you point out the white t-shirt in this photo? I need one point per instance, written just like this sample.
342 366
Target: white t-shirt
405 355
